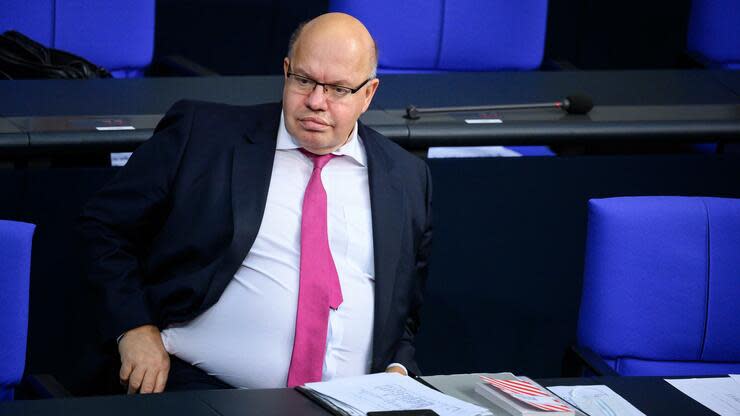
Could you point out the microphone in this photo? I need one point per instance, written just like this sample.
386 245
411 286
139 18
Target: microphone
572 104
577 104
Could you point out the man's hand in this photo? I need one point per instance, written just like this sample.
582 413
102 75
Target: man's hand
396 369
145 364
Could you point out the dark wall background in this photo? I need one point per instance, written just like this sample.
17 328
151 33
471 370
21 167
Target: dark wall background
251 36
231 37
627 34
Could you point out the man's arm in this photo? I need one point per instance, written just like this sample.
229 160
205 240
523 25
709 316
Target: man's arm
118 224
406 349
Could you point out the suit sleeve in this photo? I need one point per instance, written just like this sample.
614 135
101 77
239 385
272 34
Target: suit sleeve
120 220
406 350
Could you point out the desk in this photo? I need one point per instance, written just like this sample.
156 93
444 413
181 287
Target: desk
102 97
659 106
651 395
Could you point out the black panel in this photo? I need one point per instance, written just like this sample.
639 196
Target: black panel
61 322
508 251
231 36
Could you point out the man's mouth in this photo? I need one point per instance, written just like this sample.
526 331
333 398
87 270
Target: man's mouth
313 123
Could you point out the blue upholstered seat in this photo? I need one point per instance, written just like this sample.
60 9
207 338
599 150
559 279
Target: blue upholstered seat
117 35
15 268
714 32
661 290
464 35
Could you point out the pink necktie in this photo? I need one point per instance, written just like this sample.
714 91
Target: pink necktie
319 287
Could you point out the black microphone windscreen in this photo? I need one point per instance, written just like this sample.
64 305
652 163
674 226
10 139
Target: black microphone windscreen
578 104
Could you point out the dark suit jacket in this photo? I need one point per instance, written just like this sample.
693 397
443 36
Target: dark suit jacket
167 234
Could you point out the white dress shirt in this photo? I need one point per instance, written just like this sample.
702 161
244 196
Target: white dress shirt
246 338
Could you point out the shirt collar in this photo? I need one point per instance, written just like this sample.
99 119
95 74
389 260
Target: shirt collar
353 148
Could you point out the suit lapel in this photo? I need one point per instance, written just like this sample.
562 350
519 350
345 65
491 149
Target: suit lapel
386 202
250 180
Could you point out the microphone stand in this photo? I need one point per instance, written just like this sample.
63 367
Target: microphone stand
414 113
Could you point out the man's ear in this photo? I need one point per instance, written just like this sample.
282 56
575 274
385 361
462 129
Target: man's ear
286 65
370 93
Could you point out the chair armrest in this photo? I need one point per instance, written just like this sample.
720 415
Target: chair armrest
578 358
41 386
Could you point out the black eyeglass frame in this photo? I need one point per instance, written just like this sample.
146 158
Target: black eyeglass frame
325 86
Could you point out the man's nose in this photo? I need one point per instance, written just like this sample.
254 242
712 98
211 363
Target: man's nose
317 99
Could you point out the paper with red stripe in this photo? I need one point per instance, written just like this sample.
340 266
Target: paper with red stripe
528 393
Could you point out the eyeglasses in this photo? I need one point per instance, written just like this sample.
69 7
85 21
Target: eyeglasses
305 85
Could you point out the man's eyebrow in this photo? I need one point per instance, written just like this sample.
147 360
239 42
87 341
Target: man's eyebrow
340 82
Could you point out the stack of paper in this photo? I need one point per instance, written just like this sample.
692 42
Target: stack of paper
596 400
722 394
521 396
356 396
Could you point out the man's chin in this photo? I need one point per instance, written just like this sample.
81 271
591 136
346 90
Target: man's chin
314 140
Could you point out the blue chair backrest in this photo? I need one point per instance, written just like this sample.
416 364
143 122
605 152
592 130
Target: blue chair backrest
117 35
15 269
661 290
462 35
714 32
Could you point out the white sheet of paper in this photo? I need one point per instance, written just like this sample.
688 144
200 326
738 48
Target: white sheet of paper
483 120
596 400
119 158
470 151
387 391
114 128
735 377
721 395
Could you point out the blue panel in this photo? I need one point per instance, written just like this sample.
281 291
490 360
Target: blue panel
532 150
705 148
723 323
493 35
32 18
127 73
645 279
15 267
635 367
116 35
407 32
714 31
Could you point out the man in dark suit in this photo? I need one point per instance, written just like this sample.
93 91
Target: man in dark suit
254 247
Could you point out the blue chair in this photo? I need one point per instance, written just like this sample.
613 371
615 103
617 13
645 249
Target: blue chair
117 35
661 289
15 268
416 36
714 33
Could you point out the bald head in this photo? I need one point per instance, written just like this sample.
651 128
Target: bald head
334 51
343 32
